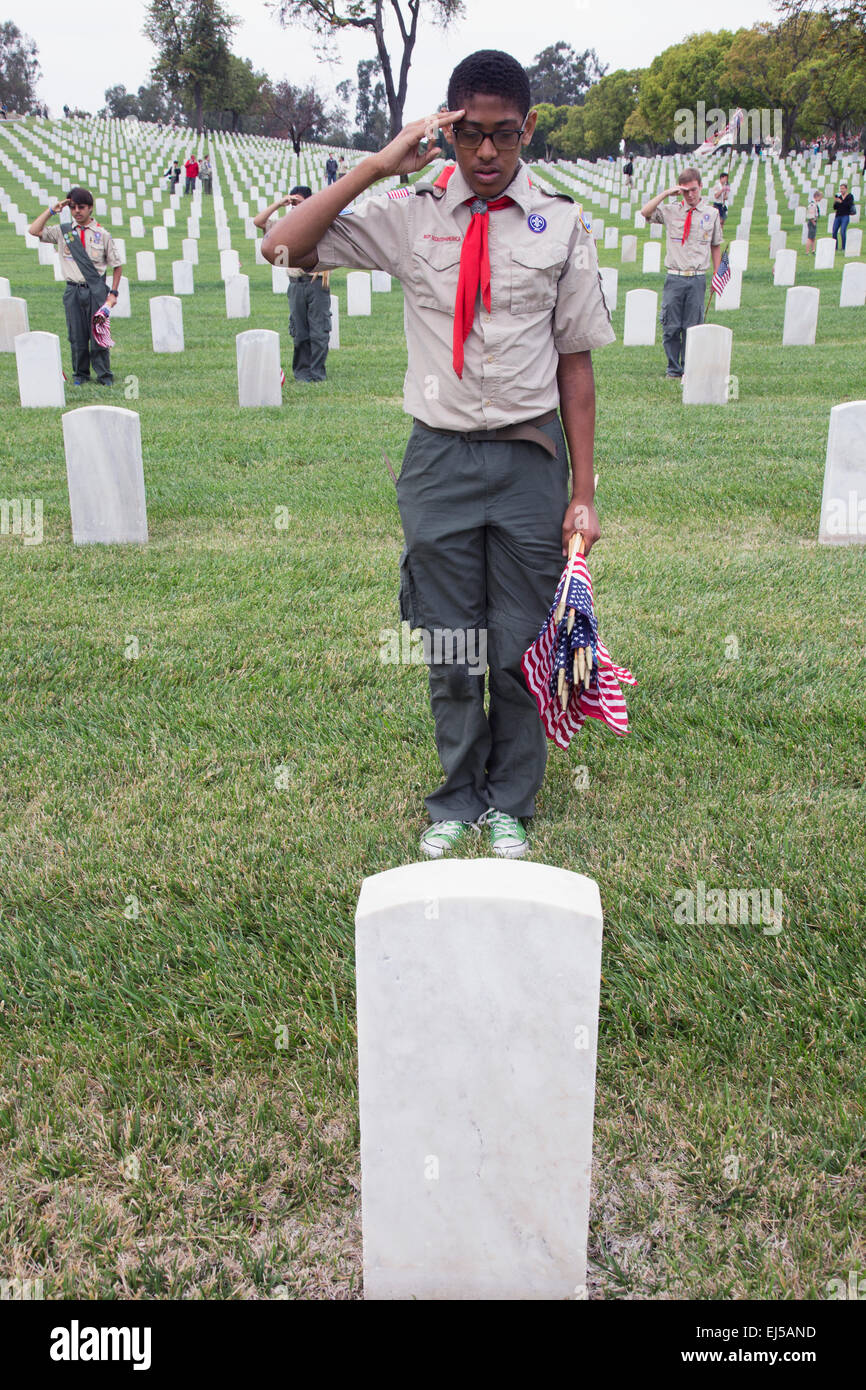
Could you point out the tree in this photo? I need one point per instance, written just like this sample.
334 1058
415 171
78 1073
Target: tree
561 77
596 127
678 78
19 67
371 112
327 18
294 113
238 93
548 117
191 38
120 103
767 65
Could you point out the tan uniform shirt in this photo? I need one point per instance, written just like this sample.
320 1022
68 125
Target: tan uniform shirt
721 193
546 297
705 231
98 243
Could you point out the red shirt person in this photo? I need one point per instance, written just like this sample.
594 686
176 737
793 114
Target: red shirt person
191 171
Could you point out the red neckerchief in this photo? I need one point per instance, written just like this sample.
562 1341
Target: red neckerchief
474 266
687 227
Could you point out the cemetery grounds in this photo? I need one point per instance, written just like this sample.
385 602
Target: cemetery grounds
185 830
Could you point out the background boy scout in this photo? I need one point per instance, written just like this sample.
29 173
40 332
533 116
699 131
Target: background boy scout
483 492
79 301
694 234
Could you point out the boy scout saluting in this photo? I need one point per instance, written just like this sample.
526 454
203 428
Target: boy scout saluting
503 304
694 234
85 251
309 301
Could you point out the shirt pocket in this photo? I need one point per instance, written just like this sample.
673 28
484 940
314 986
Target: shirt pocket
435 270
535 272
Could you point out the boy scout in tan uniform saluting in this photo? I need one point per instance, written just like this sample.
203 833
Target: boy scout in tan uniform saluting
694 234
80 299
503 305
309 301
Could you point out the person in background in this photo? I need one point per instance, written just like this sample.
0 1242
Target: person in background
331 168
342 168
694 234
191 172
843 207
628 170
206 173
721 194
172 174
84 293
309 301
813 212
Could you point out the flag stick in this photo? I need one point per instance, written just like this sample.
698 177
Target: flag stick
710 294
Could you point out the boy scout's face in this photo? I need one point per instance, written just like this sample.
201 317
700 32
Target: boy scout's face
80 212
691 194
487 170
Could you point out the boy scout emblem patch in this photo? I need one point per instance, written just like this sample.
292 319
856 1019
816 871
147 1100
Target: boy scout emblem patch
535 222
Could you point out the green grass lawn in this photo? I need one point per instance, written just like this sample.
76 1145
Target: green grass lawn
184 834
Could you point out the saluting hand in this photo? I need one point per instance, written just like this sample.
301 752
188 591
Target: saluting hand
404 154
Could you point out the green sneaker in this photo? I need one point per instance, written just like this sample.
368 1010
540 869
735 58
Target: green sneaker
507 835
443 835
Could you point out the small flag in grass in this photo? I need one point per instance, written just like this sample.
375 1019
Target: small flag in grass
722 275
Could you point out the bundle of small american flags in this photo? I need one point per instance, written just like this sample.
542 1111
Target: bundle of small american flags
100 329
722 275
569 669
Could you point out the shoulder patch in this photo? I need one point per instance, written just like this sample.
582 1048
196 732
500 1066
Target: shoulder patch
404 192
547 194
584 219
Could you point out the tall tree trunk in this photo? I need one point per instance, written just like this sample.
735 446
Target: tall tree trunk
197 97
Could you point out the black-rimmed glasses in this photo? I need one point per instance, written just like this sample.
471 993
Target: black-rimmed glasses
470 139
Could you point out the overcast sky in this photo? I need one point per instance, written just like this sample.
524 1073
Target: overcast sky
85 48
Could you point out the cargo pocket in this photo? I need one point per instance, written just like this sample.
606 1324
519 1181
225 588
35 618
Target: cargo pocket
408 599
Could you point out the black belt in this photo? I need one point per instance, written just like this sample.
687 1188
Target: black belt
527 430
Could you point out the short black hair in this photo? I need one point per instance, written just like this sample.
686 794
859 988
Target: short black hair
82 197
302 188
492 73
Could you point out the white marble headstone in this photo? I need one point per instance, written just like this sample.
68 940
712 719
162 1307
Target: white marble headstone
707 365
609 284
123 307
785 268
258 355
738 256
166 323
477 988
853 292
652 258
238 297
731 294
854 241
13 320
801 316
641 308
40 369
189 250
825 253
181 277
229 264
358 293
160 239
5 290
629 249
334 339
145 265
843 504
105 474
136 227
381 282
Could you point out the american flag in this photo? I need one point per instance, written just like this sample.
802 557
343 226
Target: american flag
404 192
552 651
722 275
729 136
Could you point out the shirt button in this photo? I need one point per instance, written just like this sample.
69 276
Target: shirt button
490 359
487 318
486 402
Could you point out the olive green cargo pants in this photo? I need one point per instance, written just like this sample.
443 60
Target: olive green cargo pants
482 521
